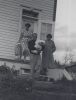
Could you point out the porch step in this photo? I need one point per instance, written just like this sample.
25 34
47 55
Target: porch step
15 61
18 64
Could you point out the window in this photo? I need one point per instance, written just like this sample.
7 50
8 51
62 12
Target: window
29 14
46 28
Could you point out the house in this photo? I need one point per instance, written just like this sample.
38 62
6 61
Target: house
13 16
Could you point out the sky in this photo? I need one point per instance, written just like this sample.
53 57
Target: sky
65 29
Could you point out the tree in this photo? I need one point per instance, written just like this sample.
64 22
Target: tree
68 58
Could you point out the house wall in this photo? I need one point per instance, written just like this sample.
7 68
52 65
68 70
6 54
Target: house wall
10 21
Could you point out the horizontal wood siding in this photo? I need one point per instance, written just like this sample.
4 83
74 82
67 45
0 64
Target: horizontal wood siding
10 21
46 7
9 27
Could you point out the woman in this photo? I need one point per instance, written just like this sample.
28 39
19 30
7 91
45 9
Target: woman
25 37
47 55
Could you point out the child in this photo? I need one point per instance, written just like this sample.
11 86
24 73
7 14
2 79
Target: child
18 50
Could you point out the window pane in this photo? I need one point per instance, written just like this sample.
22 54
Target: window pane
43 28
46 28
43 36
49 28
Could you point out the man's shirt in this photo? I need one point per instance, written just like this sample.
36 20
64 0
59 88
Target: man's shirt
32 48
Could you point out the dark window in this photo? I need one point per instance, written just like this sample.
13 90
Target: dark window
29 14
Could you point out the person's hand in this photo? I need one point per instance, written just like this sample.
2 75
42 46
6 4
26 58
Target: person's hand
41 43
38 49
34 51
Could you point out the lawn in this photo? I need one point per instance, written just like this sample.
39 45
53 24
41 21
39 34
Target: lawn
22 88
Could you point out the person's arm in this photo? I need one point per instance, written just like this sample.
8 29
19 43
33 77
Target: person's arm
53 47
31 47
43 47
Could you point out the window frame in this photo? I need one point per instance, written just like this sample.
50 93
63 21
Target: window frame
46 22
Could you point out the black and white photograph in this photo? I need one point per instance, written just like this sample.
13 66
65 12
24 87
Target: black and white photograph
37 50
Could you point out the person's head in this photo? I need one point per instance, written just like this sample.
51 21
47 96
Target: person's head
27 25
49 36
34 36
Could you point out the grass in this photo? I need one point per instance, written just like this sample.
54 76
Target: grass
21 88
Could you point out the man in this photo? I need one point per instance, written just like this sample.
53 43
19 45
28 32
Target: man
34 55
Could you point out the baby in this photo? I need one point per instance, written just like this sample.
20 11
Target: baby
39 45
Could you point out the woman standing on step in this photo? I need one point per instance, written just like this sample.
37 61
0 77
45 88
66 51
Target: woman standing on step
25 37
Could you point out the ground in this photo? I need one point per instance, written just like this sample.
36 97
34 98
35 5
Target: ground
22 88
35 95
18 90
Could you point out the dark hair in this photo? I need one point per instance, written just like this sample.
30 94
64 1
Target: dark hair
34 34
49 36
27 24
